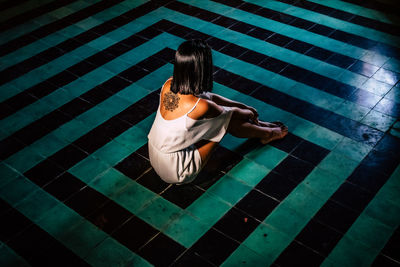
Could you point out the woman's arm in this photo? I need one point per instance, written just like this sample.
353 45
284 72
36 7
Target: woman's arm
223 101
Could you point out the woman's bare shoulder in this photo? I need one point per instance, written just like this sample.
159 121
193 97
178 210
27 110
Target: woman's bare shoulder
206 109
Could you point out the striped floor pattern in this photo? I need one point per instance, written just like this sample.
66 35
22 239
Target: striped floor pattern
78 93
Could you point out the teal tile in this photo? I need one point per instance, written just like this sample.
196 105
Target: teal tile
324 137
394 94
267 156
17 190
138 261
84 51
83 238
352 111
36 204
8 90
71 130
395 132
159 212
370 232
110 253
374 58
249 172
133 93
16 121
117 65
302 200
352 149
112 153
156 79
94 117
229 189
24 159
323 183
133 197
378 120
243 256
384 210
287 220
338 164
88 23
101 42
267 241
186 230
113 105
110 182
350 252
299 126
88 168
209 209
59 219
133 138
352 78
392 64
146 123
8 174
376 87
9 257
315 96
96 77
49 144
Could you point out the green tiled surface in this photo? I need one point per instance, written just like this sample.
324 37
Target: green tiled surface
186 229
372 229
9 257
329 21
109 253
271 237
208 208
237 189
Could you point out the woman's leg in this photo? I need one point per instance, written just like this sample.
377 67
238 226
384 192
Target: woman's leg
205 149
246 129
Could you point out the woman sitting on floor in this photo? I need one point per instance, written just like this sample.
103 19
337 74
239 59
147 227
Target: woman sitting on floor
191 120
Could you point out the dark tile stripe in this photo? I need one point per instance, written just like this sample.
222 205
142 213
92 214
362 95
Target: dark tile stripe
72 43
107 215
328 119
73 108
378 47
88 143
35 245
342 209
55 26
25 17
293 72
10 3
239 222
377 5
345 126
346 16
390 252
274 38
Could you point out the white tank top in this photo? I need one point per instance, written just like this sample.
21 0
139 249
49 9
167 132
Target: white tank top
169 136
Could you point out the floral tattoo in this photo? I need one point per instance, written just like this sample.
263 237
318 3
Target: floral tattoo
170 101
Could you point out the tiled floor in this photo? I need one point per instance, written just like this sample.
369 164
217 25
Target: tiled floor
79 88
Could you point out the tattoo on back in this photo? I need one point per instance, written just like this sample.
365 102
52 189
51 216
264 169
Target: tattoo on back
170 101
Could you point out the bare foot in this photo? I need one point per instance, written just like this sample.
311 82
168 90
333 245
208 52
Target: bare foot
276 133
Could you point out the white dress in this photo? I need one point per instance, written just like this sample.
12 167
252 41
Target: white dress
171 143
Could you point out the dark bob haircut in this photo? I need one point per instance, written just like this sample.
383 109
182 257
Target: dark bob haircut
193 68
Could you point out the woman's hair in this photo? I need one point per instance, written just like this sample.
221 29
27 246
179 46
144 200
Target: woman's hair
193 68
